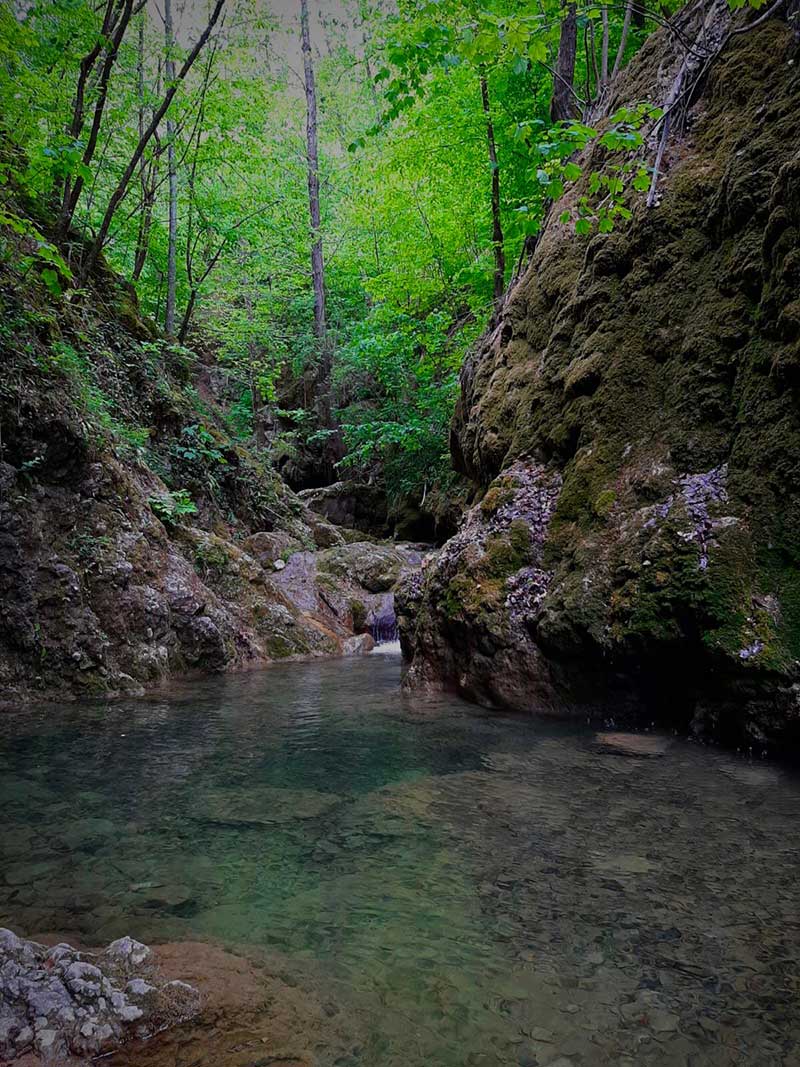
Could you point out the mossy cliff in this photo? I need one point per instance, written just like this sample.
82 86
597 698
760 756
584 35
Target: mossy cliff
632 425
140 537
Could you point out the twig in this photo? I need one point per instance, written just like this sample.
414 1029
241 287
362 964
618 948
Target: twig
662 144
761 18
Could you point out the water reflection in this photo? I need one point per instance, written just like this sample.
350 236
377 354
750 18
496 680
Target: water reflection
474 890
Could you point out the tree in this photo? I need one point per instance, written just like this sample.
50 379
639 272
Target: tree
121 188
317 260
563 102
172 170
116 18
498 245
148 168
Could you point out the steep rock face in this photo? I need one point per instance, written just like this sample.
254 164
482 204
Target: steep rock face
98 595
641 389
138 538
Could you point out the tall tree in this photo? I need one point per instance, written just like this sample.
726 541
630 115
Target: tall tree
172 169
498 245
116 18
312 158
562 103
148 169
121 188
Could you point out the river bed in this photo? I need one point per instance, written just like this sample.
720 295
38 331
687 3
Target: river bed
430 885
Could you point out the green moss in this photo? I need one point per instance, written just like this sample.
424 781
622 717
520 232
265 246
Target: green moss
472 597
500 493
279 647
478 593
604 502
506 553
358 613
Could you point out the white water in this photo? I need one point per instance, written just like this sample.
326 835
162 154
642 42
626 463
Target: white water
387 648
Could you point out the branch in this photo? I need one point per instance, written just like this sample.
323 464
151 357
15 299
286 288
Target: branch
122 187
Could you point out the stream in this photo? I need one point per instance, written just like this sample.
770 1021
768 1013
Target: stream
453 887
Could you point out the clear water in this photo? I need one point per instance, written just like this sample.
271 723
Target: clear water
465 889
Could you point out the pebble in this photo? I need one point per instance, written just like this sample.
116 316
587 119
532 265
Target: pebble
663 1021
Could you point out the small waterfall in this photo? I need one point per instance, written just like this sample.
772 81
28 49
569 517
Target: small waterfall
384 630
382 621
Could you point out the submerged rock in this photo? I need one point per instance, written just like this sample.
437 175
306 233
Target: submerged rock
641 746
64 1005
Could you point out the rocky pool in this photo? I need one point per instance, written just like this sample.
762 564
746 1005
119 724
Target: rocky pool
423 884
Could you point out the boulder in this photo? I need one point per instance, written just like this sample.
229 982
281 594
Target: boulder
59 1003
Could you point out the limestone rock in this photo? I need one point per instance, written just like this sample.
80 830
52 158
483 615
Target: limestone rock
64 1003
641 386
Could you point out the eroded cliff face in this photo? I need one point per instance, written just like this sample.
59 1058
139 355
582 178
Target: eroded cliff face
632 424
109 582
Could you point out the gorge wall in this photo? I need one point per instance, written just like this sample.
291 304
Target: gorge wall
139 537
631 423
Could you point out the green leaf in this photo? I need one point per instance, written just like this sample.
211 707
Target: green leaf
50 279
583 226
537 51
572 172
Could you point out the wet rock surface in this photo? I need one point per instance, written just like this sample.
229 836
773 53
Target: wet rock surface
95 600
350 587
654 416
64 1006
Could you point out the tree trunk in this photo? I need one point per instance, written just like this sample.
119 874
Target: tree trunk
186 322
172 240
147 174
73 189
562 104
498 245
312 156
626 25
122 186
604 48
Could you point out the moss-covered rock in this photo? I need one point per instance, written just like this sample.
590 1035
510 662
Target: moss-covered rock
645 384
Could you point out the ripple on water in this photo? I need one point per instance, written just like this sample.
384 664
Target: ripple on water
453 888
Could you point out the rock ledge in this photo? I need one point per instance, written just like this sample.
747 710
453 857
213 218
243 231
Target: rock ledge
66 1006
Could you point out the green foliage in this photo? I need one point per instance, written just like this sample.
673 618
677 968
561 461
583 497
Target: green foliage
402 376
406 222
198 443
173 506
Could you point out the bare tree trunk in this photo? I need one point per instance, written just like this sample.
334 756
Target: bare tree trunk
87 64
252 367
172 240
122 186
604 48
562 104
186 321
147 173
497 225
626 25
73 190
312 156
